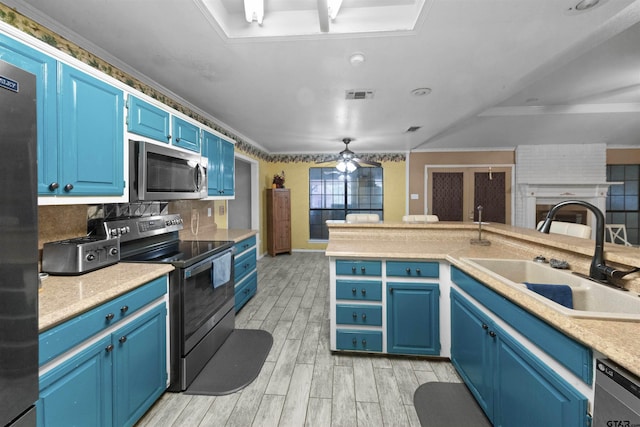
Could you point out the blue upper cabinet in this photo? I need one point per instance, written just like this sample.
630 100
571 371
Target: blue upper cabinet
186 135
147 120
44 68
91 136
221 157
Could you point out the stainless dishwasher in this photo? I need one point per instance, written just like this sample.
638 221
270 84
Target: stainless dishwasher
617 396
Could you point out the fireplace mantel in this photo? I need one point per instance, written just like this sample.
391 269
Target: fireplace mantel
551 193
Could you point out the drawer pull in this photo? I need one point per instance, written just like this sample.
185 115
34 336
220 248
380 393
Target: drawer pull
355 315
123 339
354 341
418 271
492 334
362 269
110 317
364 292
124 308
364 342
408 270
485 326
364 317
108 348
353 291
353 269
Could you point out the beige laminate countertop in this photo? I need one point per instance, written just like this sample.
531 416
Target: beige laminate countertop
618 340
62 298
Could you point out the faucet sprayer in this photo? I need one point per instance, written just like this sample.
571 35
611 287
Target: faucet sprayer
598 271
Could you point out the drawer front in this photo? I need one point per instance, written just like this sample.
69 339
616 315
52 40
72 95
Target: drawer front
244 264
245 244
63 337
245 290
347 314
358 340
359 268
360 290
413 269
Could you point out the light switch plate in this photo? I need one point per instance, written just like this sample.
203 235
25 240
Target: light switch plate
414 196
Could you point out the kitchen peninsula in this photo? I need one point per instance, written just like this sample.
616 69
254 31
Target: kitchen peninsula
450 243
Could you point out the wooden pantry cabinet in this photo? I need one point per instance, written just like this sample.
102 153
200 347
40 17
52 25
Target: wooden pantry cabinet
278 221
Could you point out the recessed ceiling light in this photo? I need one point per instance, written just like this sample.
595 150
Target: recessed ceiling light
421 91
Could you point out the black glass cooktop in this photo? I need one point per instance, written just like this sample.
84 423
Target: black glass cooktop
181 253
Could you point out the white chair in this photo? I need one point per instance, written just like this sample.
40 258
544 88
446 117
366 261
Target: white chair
618 234
569 229
420 218
362 218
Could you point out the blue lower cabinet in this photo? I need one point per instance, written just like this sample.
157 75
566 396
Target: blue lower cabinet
358 340
413 318
512 386
354 314
245 271
110 382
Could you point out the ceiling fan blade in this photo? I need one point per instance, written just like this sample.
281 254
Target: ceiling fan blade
368 162
329 159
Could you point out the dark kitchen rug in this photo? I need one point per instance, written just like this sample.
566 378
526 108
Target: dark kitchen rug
235 365
448 404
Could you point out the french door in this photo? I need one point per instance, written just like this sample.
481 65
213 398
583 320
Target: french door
454 193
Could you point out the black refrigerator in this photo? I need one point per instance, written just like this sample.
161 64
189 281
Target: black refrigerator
18 247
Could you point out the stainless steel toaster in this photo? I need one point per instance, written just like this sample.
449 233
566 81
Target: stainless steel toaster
79 255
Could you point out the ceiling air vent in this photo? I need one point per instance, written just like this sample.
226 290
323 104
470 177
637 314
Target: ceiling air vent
413 128
359 94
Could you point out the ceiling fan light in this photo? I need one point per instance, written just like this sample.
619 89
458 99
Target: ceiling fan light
351 167
254 10
341 166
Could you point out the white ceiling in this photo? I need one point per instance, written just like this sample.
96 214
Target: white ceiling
502 72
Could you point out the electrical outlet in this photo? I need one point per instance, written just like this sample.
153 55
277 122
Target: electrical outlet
221 210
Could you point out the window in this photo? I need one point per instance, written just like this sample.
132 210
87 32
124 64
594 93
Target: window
623 199
333 195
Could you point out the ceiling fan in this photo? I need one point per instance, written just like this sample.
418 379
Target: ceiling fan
347 160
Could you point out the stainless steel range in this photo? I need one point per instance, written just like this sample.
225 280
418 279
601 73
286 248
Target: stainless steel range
201 288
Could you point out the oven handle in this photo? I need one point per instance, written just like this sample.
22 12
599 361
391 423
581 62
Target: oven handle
198 269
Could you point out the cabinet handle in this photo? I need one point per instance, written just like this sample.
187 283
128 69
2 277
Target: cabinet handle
362 269
391 290
364 342
168 137
353 269
355 315
408 270
123 339
418 271
109 317
364 317
353 291
485 326
354 341
124 308
108 348
492 334
68 187
364 292
53 186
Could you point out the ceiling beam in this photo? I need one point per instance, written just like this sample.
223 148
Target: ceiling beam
323 15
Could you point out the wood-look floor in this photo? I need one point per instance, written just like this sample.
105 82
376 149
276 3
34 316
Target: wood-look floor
302 383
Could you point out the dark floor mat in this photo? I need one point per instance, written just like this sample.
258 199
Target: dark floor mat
235 365
448 404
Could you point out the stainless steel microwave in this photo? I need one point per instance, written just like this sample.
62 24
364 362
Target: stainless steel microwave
164 173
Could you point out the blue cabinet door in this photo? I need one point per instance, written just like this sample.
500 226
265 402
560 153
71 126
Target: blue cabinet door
147 120
140 374
221 157
413 318
45 70
79 391
186 135
227 172
91 127
472 350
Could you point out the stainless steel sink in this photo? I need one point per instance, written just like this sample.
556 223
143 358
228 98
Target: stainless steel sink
590 299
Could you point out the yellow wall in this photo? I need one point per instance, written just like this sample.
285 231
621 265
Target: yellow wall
297 180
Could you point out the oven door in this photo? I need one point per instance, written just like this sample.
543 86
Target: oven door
207 294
